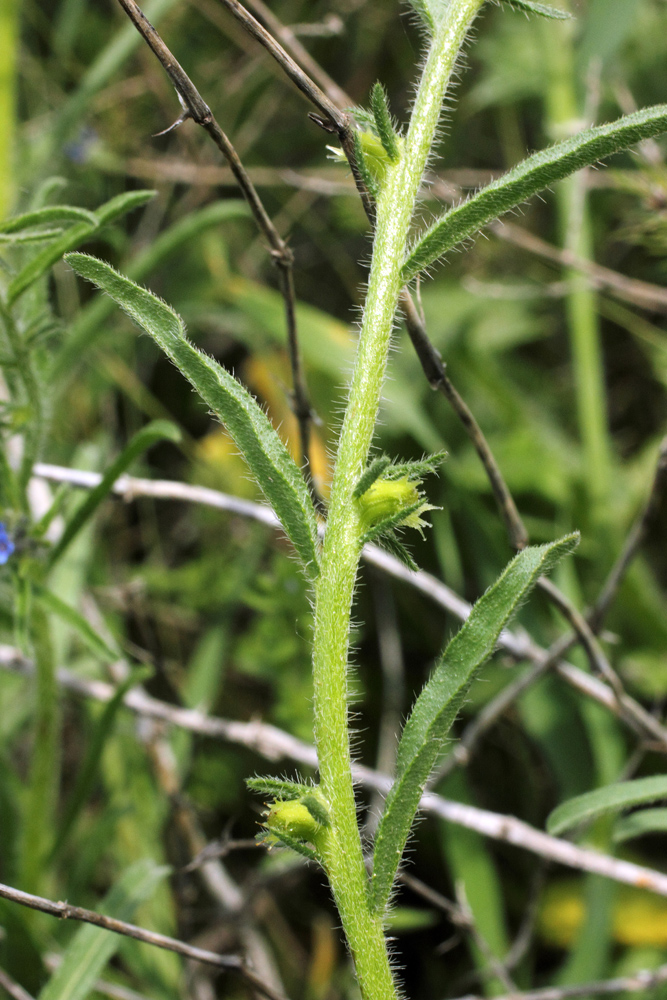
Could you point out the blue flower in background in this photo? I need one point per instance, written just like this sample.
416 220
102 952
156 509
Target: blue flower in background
6 545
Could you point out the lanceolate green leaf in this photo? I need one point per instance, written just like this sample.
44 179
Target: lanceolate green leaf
438 704
278 788
158 430
383 122
92 947
611 798
74 237
270 462
527 178
543 9
46 217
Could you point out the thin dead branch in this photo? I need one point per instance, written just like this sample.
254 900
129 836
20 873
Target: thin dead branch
12 988
435 371
332 119
195 107
518 644
65 911
633 542
275 744
639 293
631 711
645 980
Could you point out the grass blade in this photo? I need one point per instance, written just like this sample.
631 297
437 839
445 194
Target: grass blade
90 322
85 779
269 461
46 217
638 824
611 798
74 236
530 176
92 947
158 430
438 704
92 639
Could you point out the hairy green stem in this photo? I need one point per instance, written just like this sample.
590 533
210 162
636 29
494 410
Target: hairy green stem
343 857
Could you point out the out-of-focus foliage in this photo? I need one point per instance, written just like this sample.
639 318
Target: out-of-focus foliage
568 384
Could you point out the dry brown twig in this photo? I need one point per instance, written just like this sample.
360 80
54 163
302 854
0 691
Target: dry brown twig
644 980
195 107
633 542
12 988
64 911
517 644
275 744
636 292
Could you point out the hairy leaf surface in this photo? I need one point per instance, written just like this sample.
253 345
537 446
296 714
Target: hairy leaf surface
74 237
270 462
533 174
438 704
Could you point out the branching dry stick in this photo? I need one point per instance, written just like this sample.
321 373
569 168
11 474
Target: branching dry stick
435 372
429 357
275 744
14 989
462 917
495 966
64 911
633 713
293 46
638 293
333 118
633 542
195 107
491 712
517 644
645 980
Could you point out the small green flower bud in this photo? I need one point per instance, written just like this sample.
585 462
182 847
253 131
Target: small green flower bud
386 498
375 155
293 819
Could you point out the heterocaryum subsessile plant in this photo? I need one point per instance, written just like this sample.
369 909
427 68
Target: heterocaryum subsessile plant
374 500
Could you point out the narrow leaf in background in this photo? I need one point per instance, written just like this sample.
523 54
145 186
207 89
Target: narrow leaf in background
78 234
158 430
92 947
611 798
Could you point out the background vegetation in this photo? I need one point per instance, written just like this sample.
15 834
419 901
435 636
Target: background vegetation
565 369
